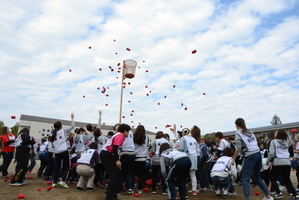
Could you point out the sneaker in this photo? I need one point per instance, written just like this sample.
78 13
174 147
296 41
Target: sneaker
214 189
15 184
202 189
234 192
24 183
129 191
297 190
226 196
164 193
277 196
89 189
5 177
154 192
63 184
218 193
194 193
268 198
294 198
282 188
79 188
54 185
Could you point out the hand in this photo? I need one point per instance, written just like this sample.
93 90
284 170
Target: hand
72 115
233 162
118 164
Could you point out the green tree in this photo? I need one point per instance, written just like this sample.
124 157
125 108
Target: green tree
276 120
209 137
14 129
262 140
1 125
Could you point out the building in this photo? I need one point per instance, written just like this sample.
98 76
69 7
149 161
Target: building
41 126
263 131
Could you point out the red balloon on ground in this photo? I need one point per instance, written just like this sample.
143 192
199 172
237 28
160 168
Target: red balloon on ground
49 188
257 193
5 180
136 195
145 189
37 189
21 196
49 182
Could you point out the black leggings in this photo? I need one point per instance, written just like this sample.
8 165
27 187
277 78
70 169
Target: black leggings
65 158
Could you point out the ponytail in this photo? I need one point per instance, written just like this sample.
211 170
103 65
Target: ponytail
241 123
57 127
97 134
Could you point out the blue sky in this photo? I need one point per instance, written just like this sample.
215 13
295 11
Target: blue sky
246 61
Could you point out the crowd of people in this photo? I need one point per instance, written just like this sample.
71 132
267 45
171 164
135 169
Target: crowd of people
123 161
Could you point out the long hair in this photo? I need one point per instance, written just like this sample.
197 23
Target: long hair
241 123
163 147
139 135
24 130
124 127
281 134
160 134
195 132
4 130
97 134
57 127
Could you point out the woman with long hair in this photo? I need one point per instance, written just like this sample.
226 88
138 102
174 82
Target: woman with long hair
280 152
8 148
59 142
23 145
246 143
141 142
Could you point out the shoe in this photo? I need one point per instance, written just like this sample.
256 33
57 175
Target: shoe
5 177
129 191
79 188
89 189
63 184
15 184
201 189
54 184
164 193
214 189
268 198
24 183
297 190
139 191
101 185
282 188
154 192
194 193
294 198
226 196
277 196
234 192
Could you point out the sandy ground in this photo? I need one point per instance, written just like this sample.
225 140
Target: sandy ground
8 192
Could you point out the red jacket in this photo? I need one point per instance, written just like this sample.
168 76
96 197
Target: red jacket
8 145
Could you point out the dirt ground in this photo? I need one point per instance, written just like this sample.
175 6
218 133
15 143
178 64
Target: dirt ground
8 192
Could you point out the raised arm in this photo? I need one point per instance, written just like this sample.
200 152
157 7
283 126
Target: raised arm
100 119
67 130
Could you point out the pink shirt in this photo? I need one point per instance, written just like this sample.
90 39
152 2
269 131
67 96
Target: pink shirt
118 140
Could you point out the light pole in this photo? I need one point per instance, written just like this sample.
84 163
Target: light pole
128 71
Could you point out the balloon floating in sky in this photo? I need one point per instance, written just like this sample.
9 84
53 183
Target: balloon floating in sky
204 93
146 70
89 47
70 70
83 96
128 49
100 69
173 86
13 117
118 64
194 51
186 108
131 92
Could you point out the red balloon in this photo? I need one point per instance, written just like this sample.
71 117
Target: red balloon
100 69
146 70
136 195
182 104
118 64
106 104
128 49
21 196
49 188
13 117
257 193
89 47
145 189
158 103
49 182
5 180
83 96
123 117
107 95
204 93
37 189
131 92
294 131
186 108
132 110
194 51
70 70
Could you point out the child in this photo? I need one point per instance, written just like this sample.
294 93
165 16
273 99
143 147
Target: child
179 166
221 172
85 164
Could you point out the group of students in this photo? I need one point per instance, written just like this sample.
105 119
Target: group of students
125 155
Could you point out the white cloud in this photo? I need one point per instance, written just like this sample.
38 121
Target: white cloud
246 67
